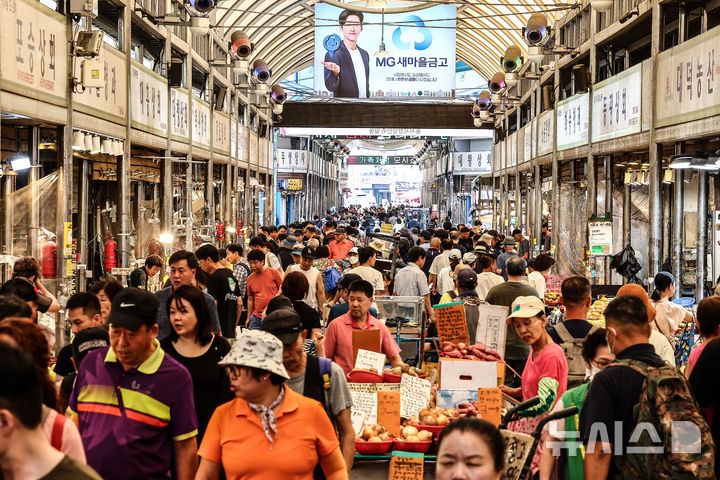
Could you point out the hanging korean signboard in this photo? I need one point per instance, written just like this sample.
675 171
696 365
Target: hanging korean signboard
200 123
688 85
221 133
292 160
34 61
109 102
617 105
180 111
545 133
572 121
233 138
511 154
528 139
149 97
472 163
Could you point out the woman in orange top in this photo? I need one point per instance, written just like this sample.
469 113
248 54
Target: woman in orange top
268 431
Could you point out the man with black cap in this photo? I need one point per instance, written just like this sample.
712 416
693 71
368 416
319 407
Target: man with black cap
25 289
315 296
284 253
314 377
134 404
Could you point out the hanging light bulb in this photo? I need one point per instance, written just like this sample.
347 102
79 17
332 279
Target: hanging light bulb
106 146
78 140
381 49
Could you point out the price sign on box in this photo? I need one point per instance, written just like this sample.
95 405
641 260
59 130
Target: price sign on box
386 228
406 466
365 403
517 449
367 359
467 374
414 395
491 327
450 319
388 411
490 405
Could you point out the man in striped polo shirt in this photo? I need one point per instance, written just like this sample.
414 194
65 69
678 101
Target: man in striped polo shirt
134 404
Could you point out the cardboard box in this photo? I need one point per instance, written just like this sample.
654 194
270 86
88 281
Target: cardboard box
461 374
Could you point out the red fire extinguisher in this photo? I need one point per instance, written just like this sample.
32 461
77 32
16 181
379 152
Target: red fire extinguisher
49 259
110 254
240 227
220 235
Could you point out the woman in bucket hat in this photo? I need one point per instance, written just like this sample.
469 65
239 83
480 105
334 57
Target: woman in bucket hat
267 431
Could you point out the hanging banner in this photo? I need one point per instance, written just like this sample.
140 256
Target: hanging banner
221 133
233 138
472 163
419 59
528 140
149 97
110 101
292 160
200 123
617 106
688 85
533 140
34 61
572 121
546 135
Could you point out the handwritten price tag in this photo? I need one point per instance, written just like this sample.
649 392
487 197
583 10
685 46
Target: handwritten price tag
406 466
414 395
490 405
367 359
451 324
365 403
388 411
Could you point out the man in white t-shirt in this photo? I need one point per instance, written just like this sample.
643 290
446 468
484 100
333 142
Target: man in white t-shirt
366 270
347 69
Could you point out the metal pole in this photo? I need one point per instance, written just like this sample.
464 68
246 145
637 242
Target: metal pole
702 206
538 205
555 165
627 214
166 207
608 208
140 209
33 177
83 219
123 163
678 209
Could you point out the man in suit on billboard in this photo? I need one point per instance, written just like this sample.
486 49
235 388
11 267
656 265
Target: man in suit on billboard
347 69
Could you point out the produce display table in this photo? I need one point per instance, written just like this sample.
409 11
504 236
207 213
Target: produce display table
376 467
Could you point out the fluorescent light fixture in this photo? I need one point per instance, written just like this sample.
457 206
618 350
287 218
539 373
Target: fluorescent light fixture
20 163
682 160
78 141
166 238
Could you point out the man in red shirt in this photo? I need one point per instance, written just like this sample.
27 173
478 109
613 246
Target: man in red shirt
262 285
341 246
338 338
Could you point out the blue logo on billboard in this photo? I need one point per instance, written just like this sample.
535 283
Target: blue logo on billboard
331 43
418 29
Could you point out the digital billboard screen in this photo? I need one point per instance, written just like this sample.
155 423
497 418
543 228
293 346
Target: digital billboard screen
418 59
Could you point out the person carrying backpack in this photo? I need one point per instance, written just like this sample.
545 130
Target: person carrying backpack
572 332
640 401
314 377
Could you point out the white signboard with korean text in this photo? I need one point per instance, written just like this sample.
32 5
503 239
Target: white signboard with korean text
149 97
573 117
180 113
688 80
533 140
600 237
528 141
546 135
34 58
521 145
110 101
233 138
511 154
617 105
253 159
472 163
292 160
221 132
200 123
242 139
